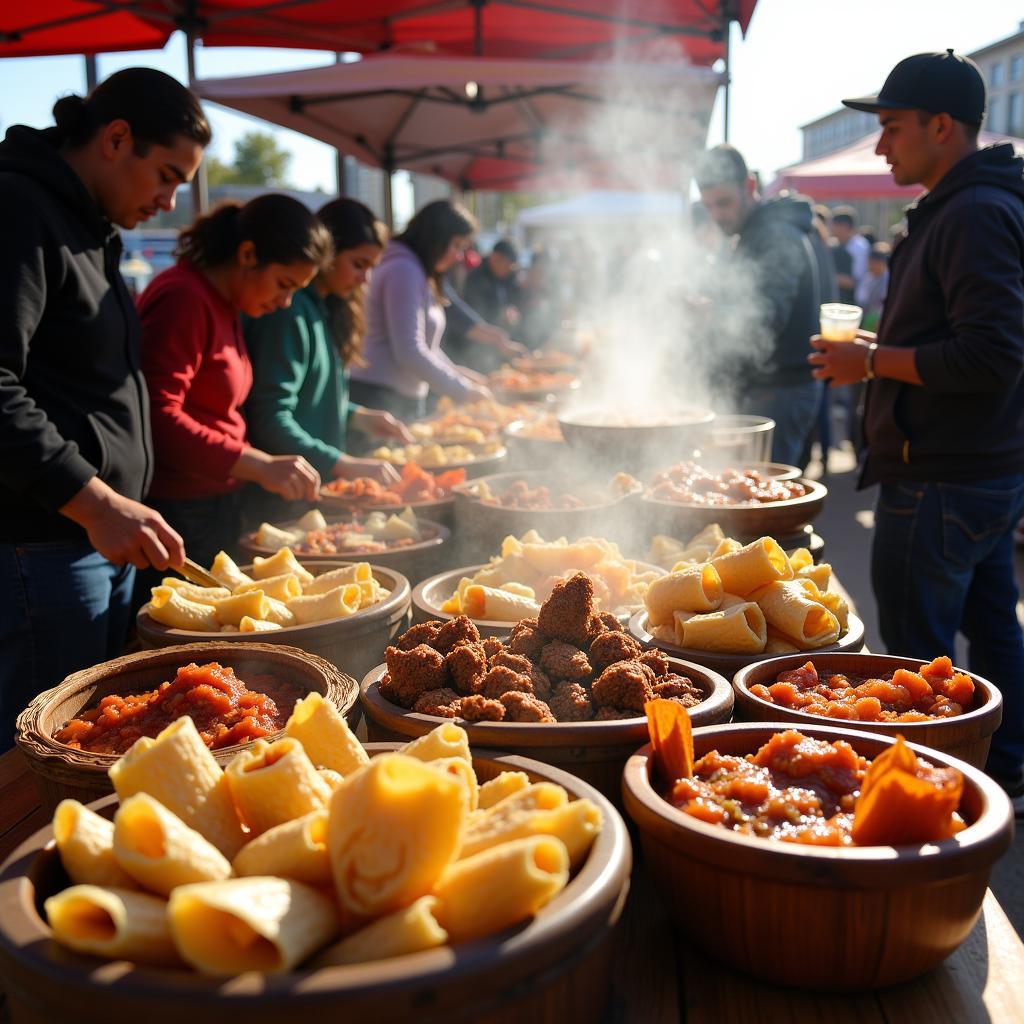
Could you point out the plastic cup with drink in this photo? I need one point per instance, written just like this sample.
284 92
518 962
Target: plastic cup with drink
839 321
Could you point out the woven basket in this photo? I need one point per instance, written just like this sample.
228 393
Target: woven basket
60 771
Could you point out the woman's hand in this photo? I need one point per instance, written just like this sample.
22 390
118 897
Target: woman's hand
381 424
840 362
349 468
290 476
489 334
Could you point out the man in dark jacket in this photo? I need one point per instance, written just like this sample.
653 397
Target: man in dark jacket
75 450
774 255
944 418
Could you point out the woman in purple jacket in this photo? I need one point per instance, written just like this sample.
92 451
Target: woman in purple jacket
405 318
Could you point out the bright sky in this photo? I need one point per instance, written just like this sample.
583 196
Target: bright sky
800 57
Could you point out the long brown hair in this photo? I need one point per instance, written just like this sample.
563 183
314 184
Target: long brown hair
431 231
351 225
281 229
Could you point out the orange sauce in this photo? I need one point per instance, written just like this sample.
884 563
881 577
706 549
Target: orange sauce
225 711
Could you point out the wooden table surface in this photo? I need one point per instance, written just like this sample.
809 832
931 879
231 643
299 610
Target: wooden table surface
660 979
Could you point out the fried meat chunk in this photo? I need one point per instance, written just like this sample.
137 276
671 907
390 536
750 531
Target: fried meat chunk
422 633
570 702
566 614
563 661
459 630
608 648
678 688
413 672
524 707
626 684
516 662
492 646
607 622
527 640
478 708
656 661
501 679
443 702
467 664
608 714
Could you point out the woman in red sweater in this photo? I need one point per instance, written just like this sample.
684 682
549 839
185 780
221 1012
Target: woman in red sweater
239 259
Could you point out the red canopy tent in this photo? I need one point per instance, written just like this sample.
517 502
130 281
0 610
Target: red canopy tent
492 28
855 172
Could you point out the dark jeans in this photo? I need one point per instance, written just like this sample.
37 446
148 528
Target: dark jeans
795 411
63 608
942 561
373 396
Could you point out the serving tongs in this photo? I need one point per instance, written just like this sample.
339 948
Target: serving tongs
195 573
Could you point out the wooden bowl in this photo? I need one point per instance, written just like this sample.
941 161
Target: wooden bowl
415 561
428 596
60 771
353 644
744 522
557 964
479 527
967 736
594 751
827 918
730 664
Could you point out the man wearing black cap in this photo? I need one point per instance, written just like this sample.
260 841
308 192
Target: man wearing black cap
491 288
944 418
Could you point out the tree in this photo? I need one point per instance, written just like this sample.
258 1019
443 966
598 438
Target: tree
259 160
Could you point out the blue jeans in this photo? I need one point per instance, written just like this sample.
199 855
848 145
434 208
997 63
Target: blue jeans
942 561
63 607
795 411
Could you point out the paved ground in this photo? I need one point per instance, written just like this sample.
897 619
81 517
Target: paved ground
845 524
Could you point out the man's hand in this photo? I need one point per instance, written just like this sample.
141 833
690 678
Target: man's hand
489 334
290 476
122 530
840 362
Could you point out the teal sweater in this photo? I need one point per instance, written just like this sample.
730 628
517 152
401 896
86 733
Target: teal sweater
299 400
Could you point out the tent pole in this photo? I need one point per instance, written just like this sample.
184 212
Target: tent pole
388 167
727 28
91 72
339 157
200 192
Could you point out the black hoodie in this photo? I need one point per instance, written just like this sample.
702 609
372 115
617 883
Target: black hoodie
72 399
956 294
774 240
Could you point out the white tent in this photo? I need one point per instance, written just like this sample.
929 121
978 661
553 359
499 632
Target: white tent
605 208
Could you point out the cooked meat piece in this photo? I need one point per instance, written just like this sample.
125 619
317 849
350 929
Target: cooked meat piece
414 672
516 662
524 707
423 633
626 684
478 708
566 614
492 646
530 623
609 647
501 679
563 661
438 702
527 642
656 661
678 688
607 714
459 630
541 682
607 621
467 664
570 702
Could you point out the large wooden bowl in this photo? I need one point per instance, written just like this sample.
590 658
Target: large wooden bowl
480 527
829 918
353 644
744 522
730 664
555 967
60 771
414 561
594 751
967 736
428 596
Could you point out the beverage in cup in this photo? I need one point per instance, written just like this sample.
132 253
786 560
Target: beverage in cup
839 322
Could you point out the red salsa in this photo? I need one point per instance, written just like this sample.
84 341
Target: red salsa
225 711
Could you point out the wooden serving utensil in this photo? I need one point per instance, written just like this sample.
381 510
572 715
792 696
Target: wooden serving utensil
195 573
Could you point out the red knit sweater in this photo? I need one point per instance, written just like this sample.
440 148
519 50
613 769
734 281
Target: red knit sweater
198 373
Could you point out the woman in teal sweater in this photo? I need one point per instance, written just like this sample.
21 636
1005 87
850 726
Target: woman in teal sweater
299 400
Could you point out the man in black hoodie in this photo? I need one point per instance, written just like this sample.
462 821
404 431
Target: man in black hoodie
75 448
773 276
944 416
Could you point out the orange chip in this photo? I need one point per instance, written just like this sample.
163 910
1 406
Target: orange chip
671 732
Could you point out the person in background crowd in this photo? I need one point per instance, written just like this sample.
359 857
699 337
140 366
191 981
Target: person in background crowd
873 286
491 289
773 241
856 245
868 233
944 413
299 399
238 259
539 301
405 318
468 338
74 418
829 292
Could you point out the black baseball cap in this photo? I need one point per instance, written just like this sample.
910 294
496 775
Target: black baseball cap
507 248
941 83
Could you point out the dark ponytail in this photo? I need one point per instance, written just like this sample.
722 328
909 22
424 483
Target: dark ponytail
157 107
351 225
431 231
281 229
